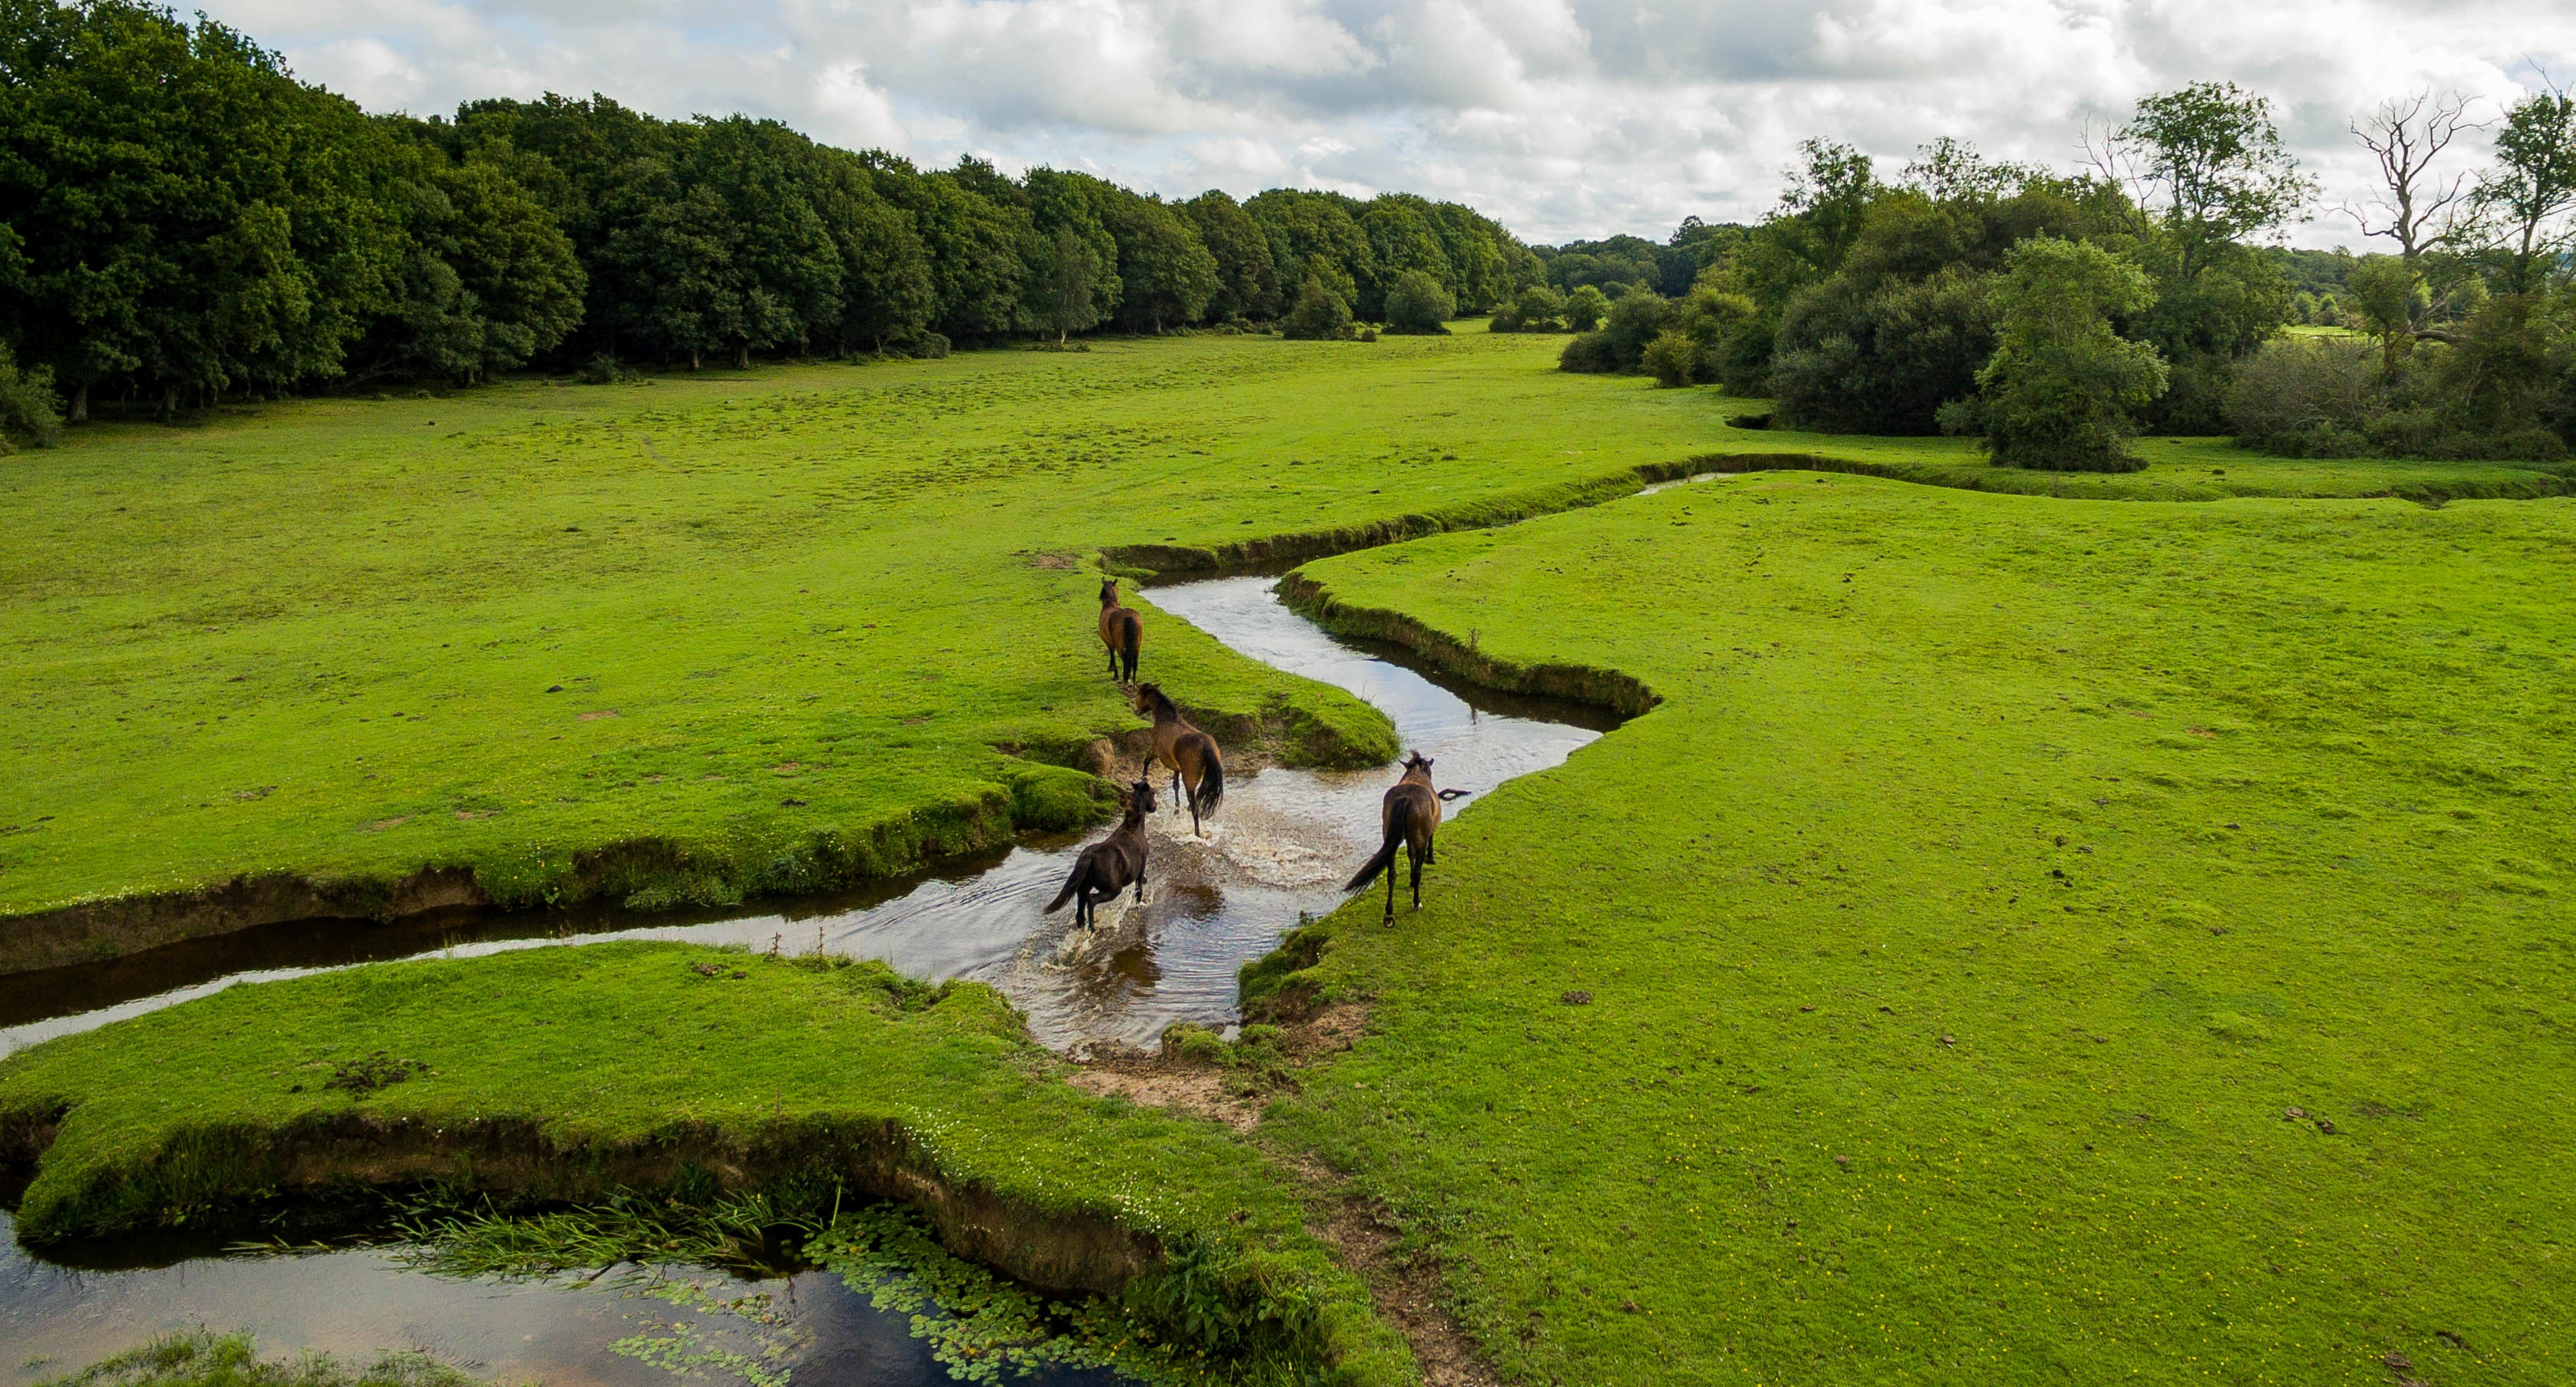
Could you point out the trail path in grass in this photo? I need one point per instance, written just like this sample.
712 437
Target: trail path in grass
2034 941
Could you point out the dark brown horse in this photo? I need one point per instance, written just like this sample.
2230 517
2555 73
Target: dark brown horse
1410 815
1120 629
1189 754
1108 866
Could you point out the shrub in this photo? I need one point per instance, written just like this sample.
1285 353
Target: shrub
1673 358
1320 315
1589 351
1537 309
1633 322
1418 305
1585 308
2305 397
2057 393
1882 361
29 415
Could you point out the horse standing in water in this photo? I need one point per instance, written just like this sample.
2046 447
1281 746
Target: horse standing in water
1108 866
1120 629
1189 754
1410 814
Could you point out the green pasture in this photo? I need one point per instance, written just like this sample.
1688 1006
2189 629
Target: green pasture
2096 834
799 618
1993 879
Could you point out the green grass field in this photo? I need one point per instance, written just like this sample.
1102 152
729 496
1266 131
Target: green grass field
2097 834
1995 876
792 614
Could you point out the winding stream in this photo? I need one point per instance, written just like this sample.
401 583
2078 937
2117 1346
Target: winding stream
1281 846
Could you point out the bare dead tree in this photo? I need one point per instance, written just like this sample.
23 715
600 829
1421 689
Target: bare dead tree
2406 134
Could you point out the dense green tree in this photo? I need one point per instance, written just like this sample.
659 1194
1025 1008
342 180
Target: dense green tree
1419 304
1320 314
488 279
1169 276
2524 199
1884 360
1314 235
2209 167
2389 295
2059 390
1538 309
888 294
1247 276
182 212
1064 295
1585 308
1060 201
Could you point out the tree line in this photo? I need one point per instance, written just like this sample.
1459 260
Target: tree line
2058 314
182 221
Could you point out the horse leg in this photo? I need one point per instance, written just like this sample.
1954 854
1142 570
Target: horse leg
1140 888
1193 797
1390 892
1416 859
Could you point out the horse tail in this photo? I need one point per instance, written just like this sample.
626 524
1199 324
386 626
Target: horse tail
1072 884
1399 821
1131 635
1212 784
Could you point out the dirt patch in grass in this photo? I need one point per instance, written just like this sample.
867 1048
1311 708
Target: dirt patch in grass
1191 1090
1407 1290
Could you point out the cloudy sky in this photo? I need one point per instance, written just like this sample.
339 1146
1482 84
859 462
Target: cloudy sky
1563 118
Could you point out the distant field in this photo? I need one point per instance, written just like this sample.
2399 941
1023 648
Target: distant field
1995 877
792 612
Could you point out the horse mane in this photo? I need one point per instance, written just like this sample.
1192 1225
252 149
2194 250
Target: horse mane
1162 701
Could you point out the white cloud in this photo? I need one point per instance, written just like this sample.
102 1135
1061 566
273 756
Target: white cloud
1562 117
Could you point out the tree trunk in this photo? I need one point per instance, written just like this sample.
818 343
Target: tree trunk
80 403
742 359
170 402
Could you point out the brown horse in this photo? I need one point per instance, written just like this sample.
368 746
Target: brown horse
1106 867
1410 815
1189 754
1120 629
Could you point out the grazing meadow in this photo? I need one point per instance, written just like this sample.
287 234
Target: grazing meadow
1922 990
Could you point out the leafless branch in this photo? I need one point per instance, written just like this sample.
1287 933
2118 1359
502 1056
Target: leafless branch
2405 135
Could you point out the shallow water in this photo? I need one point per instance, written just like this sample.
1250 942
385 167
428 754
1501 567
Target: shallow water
1282 844
359 1303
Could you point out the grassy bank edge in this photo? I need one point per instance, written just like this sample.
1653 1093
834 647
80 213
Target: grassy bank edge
1192 1232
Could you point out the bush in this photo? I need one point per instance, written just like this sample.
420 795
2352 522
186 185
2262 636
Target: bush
1419 306
30 417
1882 361
1536 310
1585 308
1673 359
2057 394
1633 322
2305 397
603 369
1320 315
1589 351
